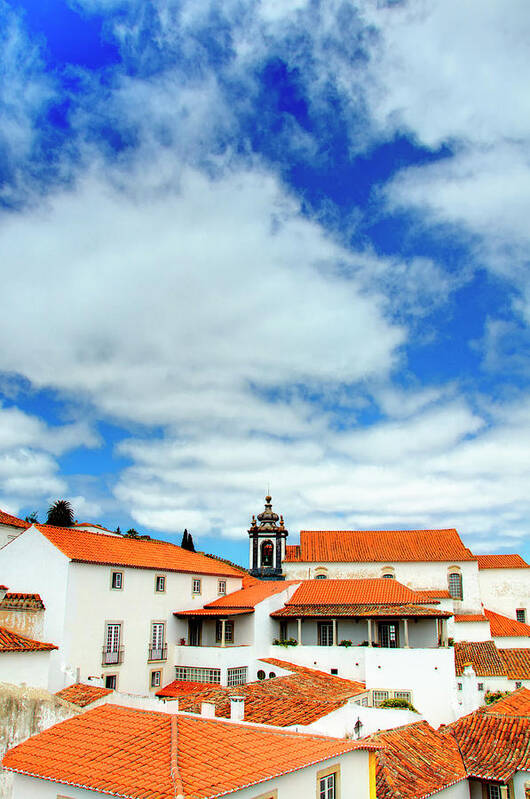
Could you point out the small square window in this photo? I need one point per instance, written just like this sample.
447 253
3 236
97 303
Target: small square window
480 686
196 586
111 681
160 583
520 615
334 671
518 685
459 686
117 581
155 679
221 587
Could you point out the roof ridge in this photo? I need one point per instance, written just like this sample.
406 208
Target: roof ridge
178 788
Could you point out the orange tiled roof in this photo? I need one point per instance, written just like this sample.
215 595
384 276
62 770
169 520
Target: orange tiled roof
13 521
213 612
434 593
501 562
469 617
483 655
515 704
302 697
365 611
353 592
415 762
134 753
82 694
379 546
493 745
18 601
87 547
252 595
503 626
516 662
11 641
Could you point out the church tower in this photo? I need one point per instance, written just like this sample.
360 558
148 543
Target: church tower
267 544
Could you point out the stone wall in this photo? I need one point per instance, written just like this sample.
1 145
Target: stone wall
24 712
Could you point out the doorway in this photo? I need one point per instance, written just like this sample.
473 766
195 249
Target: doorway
388 634
194 632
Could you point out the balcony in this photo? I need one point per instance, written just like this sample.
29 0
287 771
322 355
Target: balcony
157 652
111 657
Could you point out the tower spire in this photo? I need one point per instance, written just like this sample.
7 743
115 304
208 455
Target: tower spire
267 536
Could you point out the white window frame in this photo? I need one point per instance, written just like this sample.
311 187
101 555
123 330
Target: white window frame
118 574
493 790
158 578
236 676
221 587
455 593
155 678
328 783
198 674
520 615
196 586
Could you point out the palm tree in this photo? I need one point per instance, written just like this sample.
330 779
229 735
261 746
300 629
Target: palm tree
61 514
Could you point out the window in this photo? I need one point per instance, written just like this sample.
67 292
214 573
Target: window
459 686
494 791
334 671
325 633
116 581
455 585
403 695
221 587
111 681
237 676
267 553
378 697
261 674
112 651
156 676
518 684
480 686
229 631
272 674
327 787
520 615
196 586
389 576
157 645
197 674
321 573
160 583
283 631
388 572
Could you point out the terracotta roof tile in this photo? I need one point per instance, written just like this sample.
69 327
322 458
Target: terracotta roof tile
516 662
13 521
18 601
434 593
493 745
213 612
365 611
355 592
501 562
301 697
252 595
380 546
137 754
469 617
82 694
515 704
416 761
483 655
11 641
87 547
503 626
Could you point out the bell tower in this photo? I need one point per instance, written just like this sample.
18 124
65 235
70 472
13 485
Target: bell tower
267 544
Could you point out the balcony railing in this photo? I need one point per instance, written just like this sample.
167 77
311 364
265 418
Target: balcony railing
157 652
112 657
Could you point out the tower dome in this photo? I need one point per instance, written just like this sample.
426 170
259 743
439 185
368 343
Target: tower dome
267 543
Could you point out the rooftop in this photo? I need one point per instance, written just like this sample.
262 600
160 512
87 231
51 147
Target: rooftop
302 697
378 546
516 663
13 521
416 761
459 617
82 694
501 562
18 601
503 626
11 641
515 704
87 547
134 753
483 655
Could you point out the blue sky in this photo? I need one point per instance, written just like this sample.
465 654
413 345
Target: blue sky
251 244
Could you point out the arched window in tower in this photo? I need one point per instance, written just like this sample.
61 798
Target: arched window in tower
267 553
454 579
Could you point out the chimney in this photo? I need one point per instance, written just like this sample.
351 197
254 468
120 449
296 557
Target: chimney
237 708
3 591
470 697
208 710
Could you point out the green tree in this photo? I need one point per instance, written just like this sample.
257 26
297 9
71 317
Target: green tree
187 541
61 514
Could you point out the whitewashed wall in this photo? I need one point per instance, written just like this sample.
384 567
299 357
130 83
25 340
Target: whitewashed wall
340 723
471 631
8 533
519 780
505 590
512 642
29 668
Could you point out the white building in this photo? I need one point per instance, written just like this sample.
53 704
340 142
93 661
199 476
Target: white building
10 527
126 752
110 600
505 585
495 669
